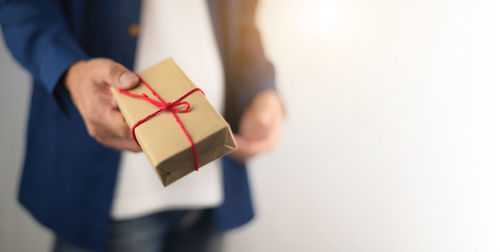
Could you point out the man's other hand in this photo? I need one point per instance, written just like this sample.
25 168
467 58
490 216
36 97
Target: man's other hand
260 126
88 83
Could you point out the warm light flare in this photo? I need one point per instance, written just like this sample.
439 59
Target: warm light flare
313 22
320 19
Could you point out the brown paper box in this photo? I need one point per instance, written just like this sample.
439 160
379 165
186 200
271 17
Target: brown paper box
161 137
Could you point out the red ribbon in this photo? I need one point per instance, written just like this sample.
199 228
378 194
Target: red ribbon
174 107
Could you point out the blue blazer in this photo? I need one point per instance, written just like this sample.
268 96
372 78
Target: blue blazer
69 179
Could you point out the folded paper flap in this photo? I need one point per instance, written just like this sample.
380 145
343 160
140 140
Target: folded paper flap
213 147
208 149
230 143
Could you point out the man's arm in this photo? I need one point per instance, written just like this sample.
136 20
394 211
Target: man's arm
38 36
36 33
248 71
253 77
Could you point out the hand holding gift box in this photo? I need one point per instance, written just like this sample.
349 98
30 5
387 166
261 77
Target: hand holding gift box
173 122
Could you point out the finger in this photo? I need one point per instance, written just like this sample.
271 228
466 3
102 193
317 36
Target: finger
257 124
246 148
271 137
255 146
111 125
119 76
242 143
265 136
240 156
242 152
265 119
119 144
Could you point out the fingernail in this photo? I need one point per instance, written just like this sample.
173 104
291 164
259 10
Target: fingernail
127 79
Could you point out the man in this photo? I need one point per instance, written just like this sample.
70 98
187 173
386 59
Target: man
75 50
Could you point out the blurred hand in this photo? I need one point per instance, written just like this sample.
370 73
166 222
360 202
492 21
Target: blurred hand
88 83
260 126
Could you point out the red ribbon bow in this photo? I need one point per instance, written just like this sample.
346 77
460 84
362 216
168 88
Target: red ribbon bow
174 107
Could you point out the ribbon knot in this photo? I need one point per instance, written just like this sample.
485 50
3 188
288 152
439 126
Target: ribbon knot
177 106
166 106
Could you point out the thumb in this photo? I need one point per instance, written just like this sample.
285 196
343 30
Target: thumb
120 77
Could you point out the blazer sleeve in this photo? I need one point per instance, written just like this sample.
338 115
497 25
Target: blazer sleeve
254 64
38 36
248 71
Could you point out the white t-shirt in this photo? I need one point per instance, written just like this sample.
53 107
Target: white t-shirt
180 29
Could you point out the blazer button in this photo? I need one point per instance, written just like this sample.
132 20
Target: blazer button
133 30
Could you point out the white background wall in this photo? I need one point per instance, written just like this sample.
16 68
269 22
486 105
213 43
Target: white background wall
391 142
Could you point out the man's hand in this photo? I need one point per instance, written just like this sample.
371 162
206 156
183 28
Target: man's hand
88 83
260 126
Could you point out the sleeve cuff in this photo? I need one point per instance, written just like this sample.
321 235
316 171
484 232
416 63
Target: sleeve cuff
60 55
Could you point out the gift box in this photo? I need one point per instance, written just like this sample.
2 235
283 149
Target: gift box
172 121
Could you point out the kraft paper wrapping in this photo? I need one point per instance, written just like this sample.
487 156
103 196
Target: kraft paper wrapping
161 138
